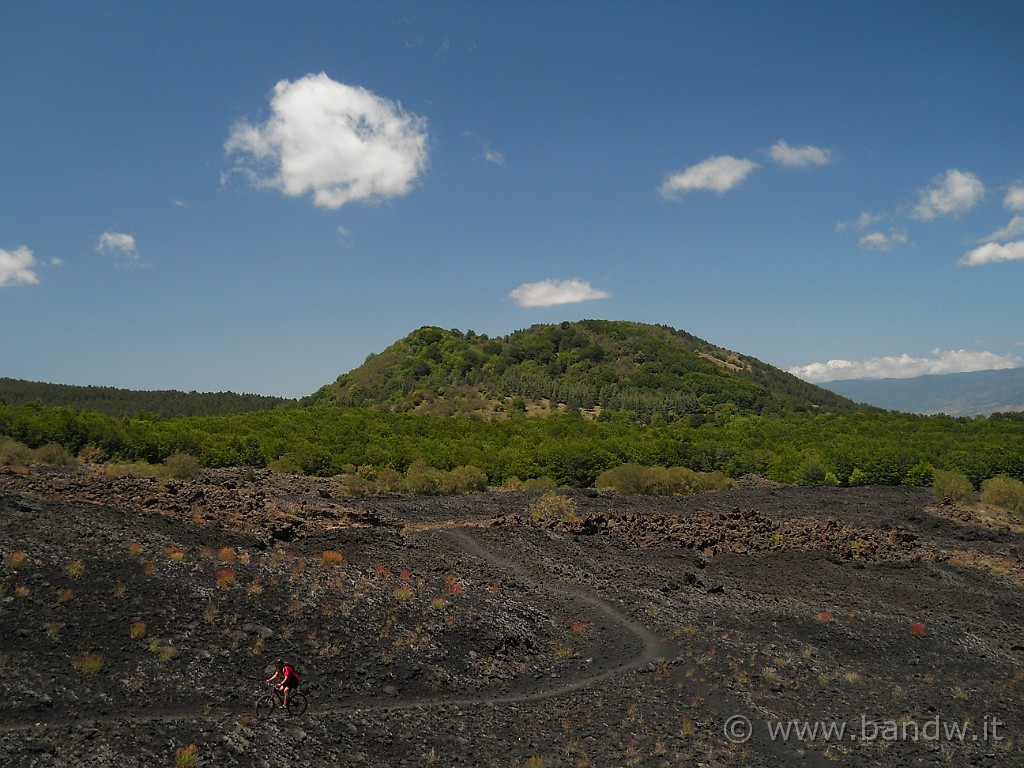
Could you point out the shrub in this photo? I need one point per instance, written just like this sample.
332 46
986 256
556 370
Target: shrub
186 757
539 484
952 486
354 485
465 480
182 466
332 557
89 663
76 568
1003 491
552 506
224 577
13 453
90 454
54 455
918 629
389 480
285 466
15 560
423 479
137 630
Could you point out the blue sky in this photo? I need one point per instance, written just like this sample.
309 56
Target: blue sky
255 196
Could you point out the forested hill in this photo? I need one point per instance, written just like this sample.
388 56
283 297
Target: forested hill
603 369
126 402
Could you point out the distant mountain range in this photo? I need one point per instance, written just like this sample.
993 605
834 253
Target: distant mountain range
979 393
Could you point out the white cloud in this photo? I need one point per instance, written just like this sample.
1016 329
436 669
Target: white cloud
548 293
16 267
799 157
341 143
1014 229
719 174
493 156
990 253
880 241
117 241
956 192
1014 199
905 367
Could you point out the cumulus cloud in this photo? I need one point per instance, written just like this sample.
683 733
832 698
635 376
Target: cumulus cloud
339 142
119 243
905 366
1014 229
719 174
1014 199
880 241
956 192
16 267
990 253
799 157
549 293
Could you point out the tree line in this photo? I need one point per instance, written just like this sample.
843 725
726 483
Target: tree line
804 448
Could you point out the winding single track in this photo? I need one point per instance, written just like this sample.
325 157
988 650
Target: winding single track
653 650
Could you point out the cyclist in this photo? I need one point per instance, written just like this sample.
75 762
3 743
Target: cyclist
289 680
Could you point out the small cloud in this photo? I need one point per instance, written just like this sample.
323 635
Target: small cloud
956 192
118 242
179 203
494 156
1014 199
990 253
1014 229
718 174
549 293
799 157
17 267
339 142
880 241
905 367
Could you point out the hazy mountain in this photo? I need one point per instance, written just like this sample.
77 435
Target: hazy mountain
598 367
979 393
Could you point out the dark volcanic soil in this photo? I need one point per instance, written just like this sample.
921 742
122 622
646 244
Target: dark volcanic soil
138 617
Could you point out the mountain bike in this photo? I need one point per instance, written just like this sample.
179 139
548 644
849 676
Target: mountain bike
271 701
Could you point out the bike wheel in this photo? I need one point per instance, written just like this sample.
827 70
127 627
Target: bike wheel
265 705
297 703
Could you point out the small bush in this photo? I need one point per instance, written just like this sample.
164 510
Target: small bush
90 454
13 453
389 480
952 486
539 484
137 630
186 757
89 663
285 466
224 577
76 568
15 560
182 466
1005 492
423 479
332 557
53 455
465 480
552 506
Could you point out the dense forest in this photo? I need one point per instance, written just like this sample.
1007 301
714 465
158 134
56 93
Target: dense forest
806 448
560 403
126 402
